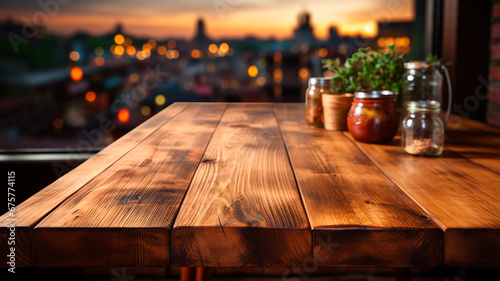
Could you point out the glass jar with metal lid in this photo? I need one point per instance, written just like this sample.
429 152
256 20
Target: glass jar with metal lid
422 132
373 117
423 81
314 106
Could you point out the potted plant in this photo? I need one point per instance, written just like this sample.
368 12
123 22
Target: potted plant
365 71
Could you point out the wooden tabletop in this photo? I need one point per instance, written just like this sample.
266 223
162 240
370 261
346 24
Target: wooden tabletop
250 184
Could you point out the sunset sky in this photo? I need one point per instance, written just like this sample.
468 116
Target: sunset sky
223 18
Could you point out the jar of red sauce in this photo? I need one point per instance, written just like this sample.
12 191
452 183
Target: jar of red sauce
373 117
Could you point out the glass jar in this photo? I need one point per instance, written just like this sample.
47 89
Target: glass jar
314 106
422 132
423 81
373 117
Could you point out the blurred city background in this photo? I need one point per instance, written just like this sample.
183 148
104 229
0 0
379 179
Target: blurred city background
67 66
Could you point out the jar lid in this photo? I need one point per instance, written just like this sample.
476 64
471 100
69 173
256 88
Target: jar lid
417 64
430 105
375 94
321 81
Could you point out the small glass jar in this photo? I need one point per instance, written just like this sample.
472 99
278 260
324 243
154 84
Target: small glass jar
424 81
314 106
422 132
373 117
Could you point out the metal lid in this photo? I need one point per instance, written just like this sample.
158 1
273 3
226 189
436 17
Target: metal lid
321 81
375 94
417 64
423 105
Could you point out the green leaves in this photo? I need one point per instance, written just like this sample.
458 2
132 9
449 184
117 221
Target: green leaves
367 70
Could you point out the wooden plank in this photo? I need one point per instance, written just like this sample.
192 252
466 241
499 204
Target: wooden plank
243 207
476 141
123 216
357 215
461 196
31 211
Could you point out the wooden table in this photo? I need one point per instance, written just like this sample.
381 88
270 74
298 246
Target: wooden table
234 185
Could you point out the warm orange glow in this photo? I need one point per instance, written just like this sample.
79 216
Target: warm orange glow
76 73
146 48
128 41
171 44
162 50
74 56
99 61
58 123
130 50
365 29
90 96
172 54
303 73
212 48
119 50
389 41
224 47
381 42
277 75
141 55
253 71
220 53
119 39
323 52
230 52
152 43
277 57
123 115
134 77
196 54
112 49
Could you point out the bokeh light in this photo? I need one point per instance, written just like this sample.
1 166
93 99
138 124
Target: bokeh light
196 54
146 110
323 52
119 50
90 96
119 39
99 61
123 115
171 44
130 50
162 50
76 73
160 100
212 48
224 47
74 56
253 71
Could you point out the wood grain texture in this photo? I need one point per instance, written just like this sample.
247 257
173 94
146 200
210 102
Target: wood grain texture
123 216
39 205
463 198
476 141
357 215
243 207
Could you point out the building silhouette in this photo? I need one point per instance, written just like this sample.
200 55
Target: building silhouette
304 32
201 40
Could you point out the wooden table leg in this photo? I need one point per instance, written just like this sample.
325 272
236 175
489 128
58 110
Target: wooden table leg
402 274
202 274
188 274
